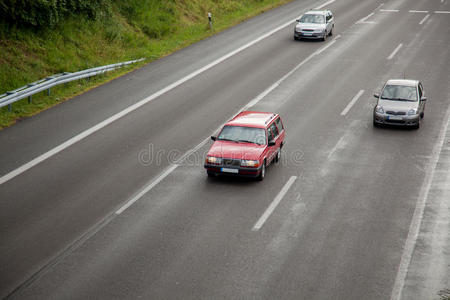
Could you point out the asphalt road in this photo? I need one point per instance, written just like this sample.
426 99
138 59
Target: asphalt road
118 215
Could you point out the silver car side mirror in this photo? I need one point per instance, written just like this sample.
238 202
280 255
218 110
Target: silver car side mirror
376 95
423 98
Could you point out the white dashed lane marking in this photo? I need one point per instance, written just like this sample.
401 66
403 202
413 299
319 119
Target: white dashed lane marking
364 20
274 204
395 52
424 19
352 102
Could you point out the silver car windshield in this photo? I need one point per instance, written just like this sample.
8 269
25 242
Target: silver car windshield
316 19
243 134
399 93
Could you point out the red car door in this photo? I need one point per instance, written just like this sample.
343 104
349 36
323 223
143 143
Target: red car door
273 135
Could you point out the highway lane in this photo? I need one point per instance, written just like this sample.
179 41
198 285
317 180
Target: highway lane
192 236
53 127
53 204
20 143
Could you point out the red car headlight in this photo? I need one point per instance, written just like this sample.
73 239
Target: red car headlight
249 163
213 160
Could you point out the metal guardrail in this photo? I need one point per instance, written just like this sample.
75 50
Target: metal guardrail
45 84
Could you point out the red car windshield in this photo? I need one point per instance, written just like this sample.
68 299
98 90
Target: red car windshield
243 134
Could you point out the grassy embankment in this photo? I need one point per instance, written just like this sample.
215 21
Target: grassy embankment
130 29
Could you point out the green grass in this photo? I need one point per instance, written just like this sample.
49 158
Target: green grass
41 101
133 29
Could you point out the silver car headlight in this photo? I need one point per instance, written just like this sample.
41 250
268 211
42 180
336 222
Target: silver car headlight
249 163
412 112
379 109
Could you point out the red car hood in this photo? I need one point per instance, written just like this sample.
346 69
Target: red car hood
235 150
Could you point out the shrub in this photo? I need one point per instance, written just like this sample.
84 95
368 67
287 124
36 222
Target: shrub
48 13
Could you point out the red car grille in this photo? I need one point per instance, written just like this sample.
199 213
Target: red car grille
231 162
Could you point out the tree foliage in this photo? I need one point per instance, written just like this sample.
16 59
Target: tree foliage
48 13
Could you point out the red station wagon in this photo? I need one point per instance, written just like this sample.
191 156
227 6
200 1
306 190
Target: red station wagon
246 145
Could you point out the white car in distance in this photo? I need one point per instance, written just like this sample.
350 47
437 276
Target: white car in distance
314 24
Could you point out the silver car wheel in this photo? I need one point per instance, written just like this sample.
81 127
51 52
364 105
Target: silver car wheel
263 172
278 157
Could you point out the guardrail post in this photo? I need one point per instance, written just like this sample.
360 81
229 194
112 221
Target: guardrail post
48 92
30 99
210 20
9 107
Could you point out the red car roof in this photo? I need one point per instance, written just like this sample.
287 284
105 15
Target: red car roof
252 119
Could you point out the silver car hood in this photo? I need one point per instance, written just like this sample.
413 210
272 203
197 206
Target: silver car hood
398 105
314 26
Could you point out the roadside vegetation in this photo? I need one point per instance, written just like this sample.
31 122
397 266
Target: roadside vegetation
444 294
39 38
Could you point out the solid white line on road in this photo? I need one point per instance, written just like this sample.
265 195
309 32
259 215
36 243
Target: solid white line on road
419 11
306 60
193 150
326 47
416 221
395 51
349 106
424 19
146 189
274 204
389 10
325 4
363 20
261 96
278 82
135 106
442 12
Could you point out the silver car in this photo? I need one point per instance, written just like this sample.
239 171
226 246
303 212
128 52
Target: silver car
401 102
314 24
